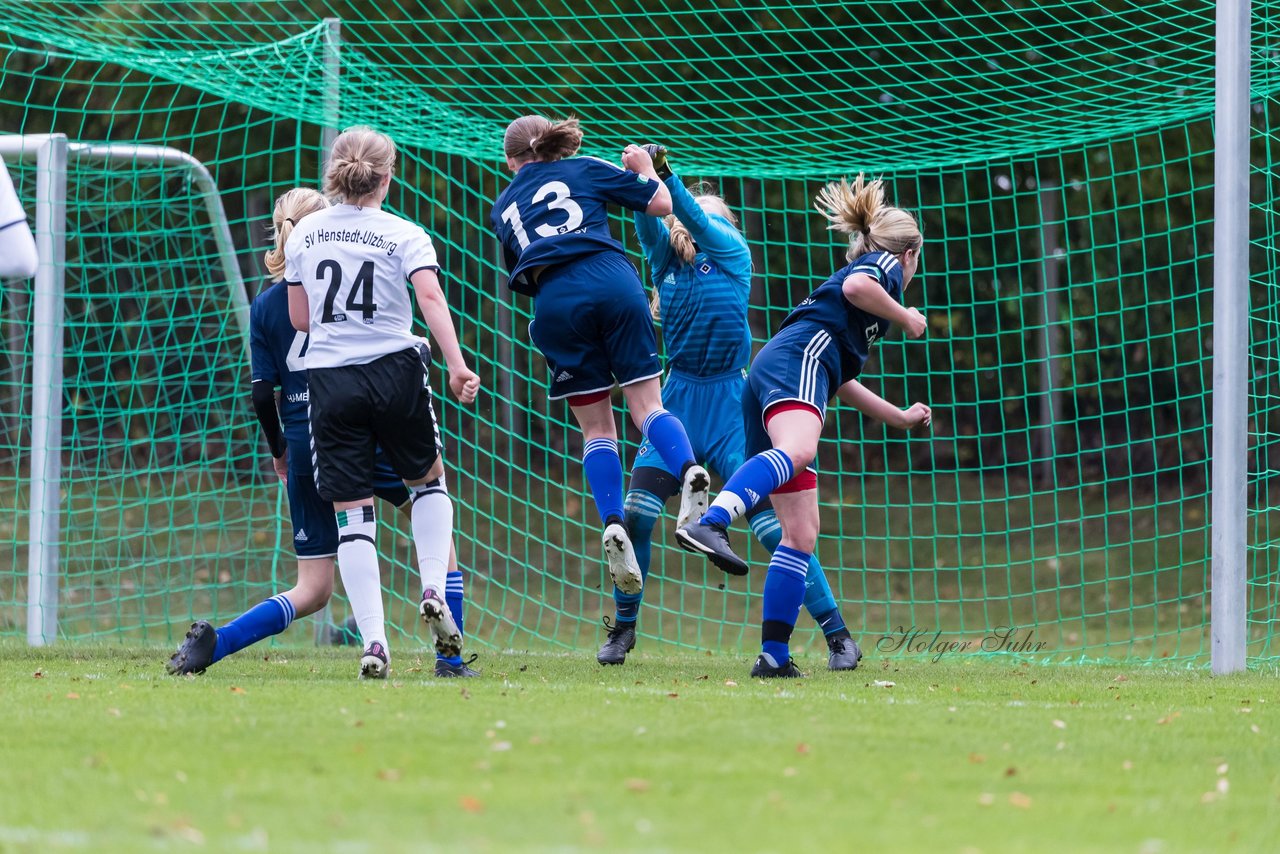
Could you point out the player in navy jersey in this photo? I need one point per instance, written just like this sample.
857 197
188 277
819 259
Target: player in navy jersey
17 247
276 354
818 354
591 318
701 270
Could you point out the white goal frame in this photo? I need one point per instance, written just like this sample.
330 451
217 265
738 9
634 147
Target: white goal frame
51 154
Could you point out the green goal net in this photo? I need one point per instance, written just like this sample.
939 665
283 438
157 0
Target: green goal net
1060 156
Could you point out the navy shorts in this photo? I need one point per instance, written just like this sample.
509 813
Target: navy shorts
797 365
711 410
591 321
315 526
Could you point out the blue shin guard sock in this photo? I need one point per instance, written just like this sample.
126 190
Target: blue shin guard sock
261 621
818 599
642 509
783 593
603 467
453 597
748 486
668 437
820 603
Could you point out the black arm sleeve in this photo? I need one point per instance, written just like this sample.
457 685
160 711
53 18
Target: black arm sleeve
264 406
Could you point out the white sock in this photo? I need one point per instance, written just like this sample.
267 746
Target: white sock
361 577
432 515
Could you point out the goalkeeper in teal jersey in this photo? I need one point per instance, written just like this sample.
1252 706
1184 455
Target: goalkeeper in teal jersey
701 270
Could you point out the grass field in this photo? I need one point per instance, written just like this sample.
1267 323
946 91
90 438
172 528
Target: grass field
102 751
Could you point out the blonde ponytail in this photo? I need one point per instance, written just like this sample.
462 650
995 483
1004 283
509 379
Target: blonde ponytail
860 211
289 211
682 243
361 157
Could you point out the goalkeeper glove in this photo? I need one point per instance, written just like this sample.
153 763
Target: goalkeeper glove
659 155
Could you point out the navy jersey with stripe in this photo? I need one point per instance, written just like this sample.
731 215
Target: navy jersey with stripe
554 212
852 330
703 304
275 354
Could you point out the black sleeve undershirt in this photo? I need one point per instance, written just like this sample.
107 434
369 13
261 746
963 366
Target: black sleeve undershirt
264 406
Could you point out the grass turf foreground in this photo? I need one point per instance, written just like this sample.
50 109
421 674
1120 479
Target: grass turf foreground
100 750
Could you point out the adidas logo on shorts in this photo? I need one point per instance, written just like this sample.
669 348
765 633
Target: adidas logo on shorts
564 376
301 536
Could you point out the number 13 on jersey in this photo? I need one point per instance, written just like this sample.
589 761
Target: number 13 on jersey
557 192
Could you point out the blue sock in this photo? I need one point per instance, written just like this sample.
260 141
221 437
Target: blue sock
748 486
642 511
818 599
668 437
783 593
453 597
831 622
603 468
263 620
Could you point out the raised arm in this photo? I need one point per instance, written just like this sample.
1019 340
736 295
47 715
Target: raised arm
638 160
655 240
874 406
464 382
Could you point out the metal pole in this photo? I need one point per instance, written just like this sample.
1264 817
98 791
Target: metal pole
332 116
332 89
46 404
1050 384
1230 336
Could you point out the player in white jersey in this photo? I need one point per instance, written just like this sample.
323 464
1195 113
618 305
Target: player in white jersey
368 378
17 247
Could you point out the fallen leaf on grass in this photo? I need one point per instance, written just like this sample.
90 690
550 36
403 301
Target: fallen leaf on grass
1011 771
188 833
115 713
673 695
802 748
470 804
391 775
1170 718
235 689
986 799
635 784
1060 724
72 695
466 695
39 674
977 758
1019 800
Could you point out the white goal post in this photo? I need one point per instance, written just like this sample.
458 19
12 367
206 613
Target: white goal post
51 154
